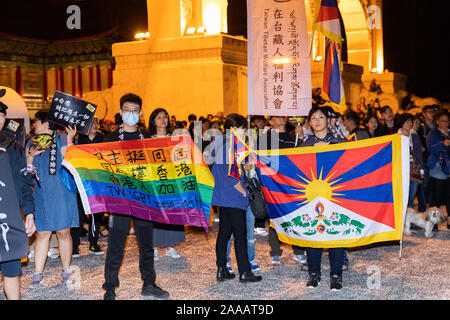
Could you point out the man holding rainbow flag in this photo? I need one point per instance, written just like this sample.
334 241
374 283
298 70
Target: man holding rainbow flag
146 180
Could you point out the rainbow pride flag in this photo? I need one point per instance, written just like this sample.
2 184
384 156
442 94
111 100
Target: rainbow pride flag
159 179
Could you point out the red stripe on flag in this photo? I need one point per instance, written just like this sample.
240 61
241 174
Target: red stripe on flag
375 178
353 157
306 163
328 67
327 13
377 211
280 197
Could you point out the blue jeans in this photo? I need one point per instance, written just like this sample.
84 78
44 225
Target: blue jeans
250 220
412 193
422 198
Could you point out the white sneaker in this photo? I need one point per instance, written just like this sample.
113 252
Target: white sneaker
261 232
300 258
171 252
155 255
31 256
53 254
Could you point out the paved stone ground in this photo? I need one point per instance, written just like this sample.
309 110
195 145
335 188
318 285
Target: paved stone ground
421 273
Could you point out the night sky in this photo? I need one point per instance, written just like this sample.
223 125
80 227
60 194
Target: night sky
415 35
415 32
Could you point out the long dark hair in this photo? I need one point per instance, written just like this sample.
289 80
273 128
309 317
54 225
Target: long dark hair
234 120
151 121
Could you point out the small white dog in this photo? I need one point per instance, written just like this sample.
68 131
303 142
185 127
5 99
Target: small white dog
425 220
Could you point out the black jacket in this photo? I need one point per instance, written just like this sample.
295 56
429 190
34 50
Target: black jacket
311 140
285 140
15 194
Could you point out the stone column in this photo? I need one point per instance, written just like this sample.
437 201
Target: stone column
99 77
164 19
44 85
91 78
19 80
61 78
375 25
80 82
57 79
73 82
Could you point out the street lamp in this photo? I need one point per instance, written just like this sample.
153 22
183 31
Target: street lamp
142 35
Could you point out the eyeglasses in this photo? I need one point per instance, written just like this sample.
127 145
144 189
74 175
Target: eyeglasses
131 110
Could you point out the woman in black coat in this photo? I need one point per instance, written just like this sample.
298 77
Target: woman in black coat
318 121
15 194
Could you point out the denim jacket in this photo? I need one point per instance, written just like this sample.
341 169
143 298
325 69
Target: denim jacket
438 151
225 195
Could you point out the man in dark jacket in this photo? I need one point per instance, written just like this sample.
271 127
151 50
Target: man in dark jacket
352 122
15 194
130 110
388 126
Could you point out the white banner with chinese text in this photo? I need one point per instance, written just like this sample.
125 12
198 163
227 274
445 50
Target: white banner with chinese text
279 71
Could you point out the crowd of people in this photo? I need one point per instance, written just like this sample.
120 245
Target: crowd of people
50 208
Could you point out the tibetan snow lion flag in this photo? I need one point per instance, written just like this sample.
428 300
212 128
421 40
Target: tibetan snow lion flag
327 21
342 195
160 179
237 152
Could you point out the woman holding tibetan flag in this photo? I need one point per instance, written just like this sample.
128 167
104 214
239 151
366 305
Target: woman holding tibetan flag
231 198
318 121
164 235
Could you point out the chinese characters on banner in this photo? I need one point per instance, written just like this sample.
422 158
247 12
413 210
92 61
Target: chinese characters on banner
154 179
279 71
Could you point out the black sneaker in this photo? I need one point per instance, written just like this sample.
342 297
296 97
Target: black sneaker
249 277
83 232
152 290
95 249
110 295
313 281
335 283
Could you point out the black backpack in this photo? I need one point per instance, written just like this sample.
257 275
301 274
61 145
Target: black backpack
256 198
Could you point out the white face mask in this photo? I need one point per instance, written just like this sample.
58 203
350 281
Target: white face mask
130 118
241 132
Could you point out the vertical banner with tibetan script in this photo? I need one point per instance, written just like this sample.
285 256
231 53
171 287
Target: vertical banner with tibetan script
279 71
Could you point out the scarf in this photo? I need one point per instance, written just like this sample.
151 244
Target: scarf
52 160
122 132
